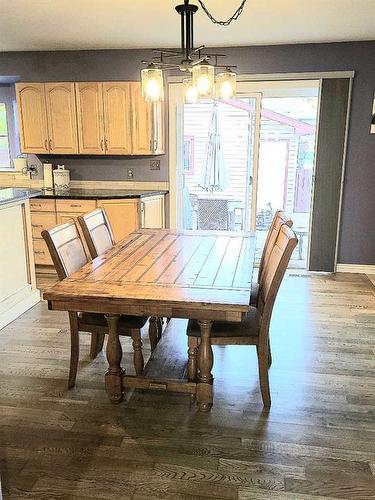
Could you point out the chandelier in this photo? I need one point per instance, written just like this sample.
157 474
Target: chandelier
206 77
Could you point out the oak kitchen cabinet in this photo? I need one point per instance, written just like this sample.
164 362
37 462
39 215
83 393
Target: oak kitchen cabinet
125 215
91 118
47 117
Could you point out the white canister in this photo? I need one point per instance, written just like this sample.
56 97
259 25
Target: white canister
47 176
61 178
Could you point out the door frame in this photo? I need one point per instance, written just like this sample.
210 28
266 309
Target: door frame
257 78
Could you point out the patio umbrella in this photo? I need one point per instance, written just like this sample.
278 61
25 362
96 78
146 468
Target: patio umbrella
214 175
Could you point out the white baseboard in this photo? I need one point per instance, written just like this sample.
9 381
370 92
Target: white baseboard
19 308
355 268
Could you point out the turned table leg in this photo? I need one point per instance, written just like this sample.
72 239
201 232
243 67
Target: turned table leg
205 363
113 376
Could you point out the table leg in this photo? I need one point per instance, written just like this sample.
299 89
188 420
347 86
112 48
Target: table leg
113 376
205 363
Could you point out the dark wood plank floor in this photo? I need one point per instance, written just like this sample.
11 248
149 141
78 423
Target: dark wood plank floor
318 440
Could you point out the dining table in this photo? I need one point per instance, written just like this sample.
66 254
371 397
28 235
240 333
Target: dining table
200 275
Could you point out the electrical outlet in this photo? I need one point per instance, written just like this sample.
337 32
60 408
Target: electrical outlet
154 164
130 173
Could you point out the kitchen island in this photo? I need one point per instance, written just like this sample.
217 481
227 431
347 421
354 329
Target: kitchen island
18 290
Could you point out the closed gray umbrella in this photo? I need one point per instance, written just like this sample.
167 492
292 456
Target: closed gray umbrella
214 175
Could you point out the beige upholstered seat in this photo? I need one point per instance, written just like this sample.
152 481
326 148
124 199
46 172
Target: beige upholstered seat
254 329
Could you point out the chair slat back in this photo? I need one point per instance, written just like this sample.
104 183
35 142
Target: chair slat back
97 231
280 218
274 270
66 248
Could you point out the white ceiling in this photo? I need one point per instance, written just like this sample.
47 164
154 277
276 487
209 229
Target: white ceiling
102 24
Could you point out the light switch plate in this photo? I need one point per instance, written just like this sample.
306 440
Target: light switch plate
154 164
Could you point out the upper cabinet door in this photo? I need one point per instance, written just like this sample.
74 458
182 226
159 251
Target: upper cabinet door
142 122
32 117
158 128
117 118
89 98
61 118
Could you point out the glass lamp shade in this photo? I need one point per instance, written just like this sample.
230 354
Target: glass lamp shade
226 84
190 91
152 84
204 79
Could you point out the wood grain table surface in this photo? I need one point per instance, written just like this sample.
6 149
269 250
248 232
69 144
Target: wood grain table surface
192 274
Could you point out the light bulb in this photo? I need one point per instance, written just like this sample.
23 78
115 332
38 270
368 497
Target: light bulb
152 83
203 84
153 89
226 90
226 84
191 93
203 79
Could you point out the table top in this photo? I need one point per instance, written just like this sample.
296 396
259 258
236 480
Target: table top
190 274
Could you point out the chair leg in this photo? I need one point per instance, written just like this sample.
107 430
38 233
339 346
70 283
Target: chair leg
74 349
269 356
97 341
192 358
263 365
153 332
138 354
159 323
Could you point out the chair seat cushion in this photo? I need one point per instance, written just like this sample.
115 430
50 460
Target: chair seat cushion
249 327
125 322
254 294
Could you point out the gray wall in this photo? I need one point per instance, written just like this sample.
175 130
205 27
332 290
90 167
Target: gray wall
357 235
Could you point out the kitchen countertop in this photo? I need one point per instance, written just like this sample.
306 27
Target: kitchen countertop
10 195
98 194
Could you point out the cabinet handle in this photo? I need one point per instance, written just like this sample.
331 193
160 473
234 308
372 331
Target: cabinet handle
50 145
155 144
142 207
46 145
75 206
37 225
39 252
151 143
36 205
106 144
102 145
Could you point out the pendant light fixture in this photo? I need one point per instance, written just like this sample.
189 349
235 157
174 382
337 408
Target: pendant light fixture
196 61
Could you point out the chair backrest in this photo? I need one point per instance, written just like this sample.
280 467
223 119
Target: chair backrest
97 231
274 272
279 218
66 248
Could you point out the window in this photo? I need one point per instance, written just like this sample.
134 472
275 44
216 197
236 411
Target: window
4 138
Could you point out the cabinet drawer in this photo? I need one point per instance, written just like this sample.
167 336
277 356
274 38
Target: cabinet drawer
41 221
41 205
75 206
41 253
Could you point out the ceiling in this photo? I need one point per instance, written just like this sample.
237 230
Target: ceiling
102 24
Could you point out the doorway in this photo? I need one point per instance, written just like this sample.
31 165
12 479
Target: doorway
243 159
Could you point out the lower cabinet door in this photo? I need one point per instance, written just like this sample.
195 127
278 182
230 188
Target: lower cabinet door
41 254
123 216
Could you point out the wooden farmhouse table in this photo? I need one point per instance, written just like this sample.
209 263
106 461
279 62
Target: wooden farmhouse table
202 275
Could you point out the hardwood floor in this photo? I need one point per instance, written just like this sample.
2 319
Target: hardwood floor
316 442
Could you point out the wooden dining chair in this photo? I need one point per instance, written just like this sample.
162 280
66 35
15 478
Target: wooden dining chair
279 219
254 329
98 235
68 255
